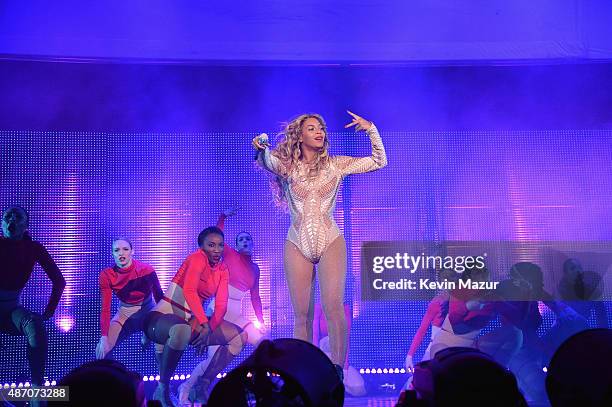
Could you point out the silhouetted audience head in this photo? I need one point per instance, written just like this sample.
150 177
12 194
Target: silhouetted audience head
104 383
283 372
462 377
579 373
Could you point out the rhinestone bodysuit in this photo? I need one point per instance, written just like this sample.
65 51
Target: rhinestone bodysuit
312 200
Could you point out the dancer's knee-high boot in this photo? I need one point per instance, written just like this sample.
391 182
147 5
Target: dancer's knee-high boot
168 363
220 359
185 389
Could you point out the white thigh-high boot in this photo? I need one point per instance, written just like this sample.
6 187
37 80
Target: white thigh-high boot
185 387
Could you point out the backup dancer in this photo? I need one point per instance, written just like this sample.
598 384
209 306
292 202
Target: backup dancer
308 180
136 284
469 311
243 278
527 283
434 316
18 256
179 318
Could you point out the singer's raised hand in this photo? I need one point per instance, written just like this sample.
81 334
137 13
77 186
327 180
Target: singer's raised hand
359 122
260 142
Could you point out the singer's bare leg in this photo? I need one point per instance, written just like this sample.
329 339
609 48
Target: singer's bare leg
332 279
299 272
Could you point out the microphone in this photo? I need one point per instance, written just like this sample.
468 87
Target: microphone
263 140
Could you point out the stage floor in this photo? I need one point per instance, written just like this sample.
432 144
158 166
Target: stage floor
370 401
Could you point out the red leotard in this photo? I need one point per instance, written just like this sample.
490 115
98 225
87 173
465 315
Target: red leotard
199 282
131 285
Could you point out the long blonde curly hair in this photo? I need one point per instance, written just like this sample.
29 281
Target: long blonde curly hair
289 152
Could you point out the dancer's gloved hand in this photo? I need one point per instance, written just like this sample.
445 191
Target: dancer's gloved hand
103 347
230 211
409 364
144 342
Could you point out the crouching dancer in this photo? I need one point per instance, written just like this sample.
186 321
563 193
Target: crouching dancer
179 318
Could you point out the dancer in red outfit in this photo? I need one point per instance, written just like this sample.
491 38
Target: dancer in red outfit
243 272
18 255
134 283
179 319
243 278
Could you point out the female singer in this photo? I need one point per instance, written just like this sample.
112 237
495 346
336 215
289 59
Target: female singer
308 180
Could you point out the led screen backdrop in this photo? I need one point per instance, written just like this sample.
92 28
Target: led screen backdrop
161 189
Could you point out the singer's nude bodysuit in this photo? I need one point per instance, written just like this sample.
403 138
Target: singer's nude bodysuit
312 200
